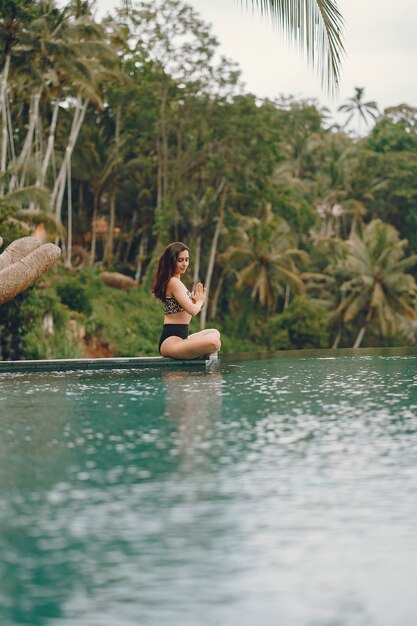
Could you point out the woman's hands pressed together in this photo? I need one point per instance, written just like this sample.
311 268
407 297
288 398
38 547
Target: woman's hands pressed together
199 295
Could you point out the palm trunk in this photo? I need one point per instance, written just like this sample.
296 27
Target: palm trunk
164 137
94 229
141 254
213 308
132 231
337 339
163 222
3 165
59 187
158 179
112 219
3 85
359 338
69 225
50 145
362 331
28 143
213 250
287 296
10 128
39 133
118 253
197 256
5 134
128 248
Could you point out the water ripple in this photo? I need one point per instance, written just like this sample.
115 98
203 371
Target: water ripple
211 498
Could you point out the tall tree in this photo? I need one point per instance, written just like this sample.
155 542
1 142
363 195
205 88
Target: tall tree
377 288
356 107
266 259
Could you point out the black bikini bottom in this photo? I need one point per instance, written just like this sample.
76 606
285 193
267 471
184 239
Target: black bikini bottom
172 330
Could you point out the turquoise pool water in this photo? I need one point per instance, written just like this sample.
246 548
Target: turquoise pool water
272 491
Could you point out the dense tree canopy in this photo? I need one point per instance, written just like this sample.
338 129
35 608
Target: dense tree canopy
120 135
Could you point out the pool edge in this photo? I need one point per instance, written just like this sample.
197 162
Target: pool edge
55 365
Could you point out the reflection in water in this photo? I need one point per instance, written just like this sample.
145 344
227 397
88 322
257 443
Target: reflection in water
193 400
276 491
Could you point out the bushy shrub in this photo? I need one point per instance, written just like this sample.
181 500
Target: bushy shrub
22 335
75 295
15 321
130 321
301 326
10 230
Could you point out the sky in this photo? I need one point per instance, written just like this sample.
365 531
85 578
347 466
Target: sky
380 44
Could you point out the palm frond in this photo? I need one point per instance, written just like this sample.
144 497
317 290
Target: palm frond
316 26
402 307
291 278
407 263
356 306
289 254
35 216
20 197
245 274
378 296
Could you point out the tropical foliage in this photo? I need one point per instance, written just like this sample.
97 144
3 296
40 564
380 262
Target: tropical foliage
122 134
266 259
356 107
377 287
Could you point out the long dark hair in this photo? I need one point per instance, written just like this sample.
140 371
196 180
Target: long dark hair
166 268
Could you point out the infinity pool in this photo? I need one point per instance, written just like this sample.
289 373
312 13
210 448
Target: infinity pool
269 492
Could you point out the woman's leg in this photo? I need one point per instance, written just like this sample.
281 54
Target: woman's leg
201 333
197 344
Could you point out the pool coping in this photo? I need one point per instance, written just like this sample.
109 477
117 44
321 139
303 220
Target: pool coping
139 362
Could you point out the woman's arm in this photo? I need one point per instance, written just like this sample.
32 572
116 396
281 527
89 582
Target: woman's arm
178 290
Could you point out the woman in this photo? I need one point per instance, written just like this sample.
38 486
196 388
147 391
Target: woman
180 306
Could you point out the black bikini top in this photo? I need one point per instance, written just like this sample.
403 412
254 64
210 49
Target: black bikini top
171 305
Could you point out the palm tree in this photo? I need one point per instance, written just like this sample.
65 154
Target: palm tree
376 287
332 181
315 25
344 188
355 106
13 209
63 55
61 60
102 165
267 257
97 60
14 20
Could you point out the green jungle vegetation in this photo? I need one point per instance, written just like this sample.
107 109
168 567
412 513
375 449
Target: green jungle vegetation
121 135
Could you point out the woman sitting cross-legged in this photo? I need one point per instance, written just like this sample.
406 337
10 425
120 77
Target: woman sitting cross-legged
180 305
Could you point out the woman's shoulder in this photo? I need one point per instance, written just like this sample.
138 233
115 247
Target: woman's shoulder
174 284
